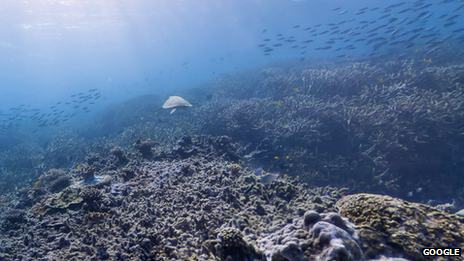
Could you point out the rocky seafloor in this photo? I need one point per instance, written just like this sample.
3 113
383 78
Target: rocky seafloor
196 200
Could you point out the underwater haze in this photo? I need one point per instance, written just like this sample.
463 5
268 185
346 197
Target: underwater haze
52 49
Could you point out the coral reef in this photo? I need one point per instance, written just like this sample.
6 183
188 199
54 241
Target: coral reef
315 236
119 154
322 130
90 194
55 180
388 225
206 207
190 208
144 147
14 215
212 147
233 246
358 125
235 169
88 173
67 199
370 124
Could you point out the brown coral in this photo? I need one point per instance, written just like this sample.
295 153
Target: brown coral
392 225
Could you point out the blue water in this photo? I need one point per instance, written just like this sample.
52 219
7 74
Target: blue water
51 50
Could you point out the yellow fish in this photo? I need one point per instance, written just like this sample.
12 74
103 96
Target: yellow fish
287 157
38 182
276 157
141 118
296 89
380 80
278 103
426 60
79 166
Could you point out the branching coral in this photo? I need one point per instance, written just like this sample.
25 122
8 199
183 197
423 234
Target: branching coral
362 123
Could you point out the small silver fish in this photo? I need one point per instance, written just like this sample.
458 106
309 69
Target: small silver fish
269 178
259 171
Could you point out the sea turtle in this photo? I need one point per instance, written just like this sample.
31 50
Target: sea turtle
175 102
